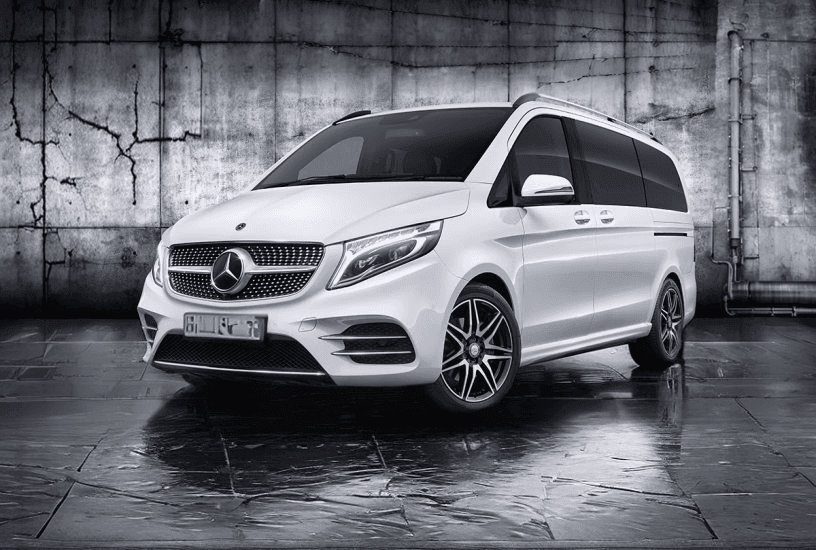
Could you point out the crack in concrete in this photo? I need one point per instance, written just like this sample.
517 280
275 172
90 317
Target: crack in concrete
663 117
229 466
124 151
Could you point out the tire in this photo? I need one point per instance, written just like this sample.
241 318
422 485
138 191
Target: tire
481 354
664 343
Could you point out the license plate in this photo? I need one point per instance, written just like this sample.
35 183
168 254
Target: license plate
229 327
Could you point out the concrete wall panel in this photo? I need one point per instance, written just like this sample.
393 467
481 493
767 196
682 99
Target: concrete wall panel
420 86
21 288
6 21
308 98
182 100
487 10
782 127
81 20
542 24
102 20
20 150
135 20
95 271
26 20
787 253
235 139
216 21
103 166
321 23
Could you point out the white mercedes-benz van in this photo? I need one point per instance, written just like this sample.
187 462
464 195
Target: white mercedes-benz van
444 246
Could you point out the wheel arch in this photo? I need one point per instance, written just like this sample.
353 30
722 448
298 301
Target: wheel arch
496 283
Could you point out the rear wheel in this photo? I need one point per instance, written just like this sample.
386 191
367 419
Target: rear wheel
662 346
481 353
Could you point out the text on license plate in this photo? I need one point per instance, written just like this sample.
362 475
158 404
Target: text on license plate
233 327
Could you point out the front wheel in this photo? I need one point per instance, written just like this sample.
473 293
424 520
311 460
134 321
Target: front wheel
481 353
662 346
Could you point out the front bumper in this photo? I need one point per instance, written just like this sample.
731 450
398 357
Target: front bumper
416 296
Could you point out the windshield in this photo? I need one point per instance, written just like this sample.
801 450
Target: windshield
442 144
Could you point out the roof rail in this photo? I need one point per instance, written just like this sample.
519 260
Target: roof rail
557 102
355 114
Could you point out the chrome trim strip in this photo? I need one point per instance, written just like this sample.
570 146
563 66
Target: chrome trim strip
370 353
255 269
281 269
341 337
190 269
242 371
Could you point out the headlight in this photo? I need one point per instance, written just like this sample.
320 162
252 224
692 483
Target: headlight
366 257
157 266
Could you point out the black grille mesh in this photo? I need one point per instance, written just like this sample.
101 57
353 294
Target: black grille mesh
385 345
280 354
262 285
264 254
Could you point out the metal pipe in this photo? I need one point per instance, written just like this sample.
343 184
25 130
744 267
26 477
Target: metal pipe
793 311
774 292
777 297
734 121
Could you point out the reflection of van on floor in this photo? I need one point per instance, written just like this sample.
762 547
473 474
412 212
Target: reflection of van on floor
444 246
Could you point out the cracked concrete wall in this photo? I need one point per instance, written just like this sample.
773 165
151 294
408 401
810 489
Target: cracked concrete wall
117 117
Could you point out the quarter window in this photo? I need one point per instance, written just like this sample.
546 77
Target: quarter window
663 187
611 164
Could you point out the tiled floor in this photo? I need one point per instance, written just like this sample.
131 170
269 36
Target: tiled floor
96 449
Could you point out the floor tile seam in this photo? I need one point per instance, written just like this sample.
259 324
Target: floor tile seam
55 510
34 399
430 544
731 342
769 441
753 494
58 342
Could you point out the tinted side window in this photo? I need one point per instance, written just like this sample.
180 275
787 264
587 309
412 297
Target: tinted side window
611 164
663 187
541 148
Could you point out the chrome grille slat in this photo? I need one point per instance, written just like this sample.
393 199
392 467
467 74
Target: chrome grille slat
281 269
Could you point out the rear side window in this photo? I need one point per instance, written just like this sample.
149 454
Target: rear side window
663 187
611 164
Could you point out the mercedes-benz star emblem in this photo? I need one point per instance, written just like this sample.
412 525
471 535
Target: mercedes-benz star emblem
228 275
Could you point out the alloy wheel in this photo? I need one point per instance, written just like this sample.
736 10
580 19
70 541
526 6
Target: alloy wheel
478 350
671 321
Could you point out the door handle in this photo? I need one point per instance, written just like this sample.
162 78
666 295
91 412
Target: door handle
581 217
606 216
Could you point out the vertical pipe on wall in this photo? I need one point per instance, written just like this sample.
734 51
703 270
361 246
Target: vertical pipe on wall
791 294
734 121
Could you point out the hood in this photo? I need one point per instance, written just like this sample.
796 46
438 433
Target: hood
322 213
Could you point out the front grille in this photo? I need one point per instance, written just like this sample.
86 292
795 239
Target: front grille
189 266
375 344
278 354
265 254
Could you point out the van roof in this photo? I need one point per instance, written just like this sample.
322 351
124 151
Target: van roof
544 100
558 103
